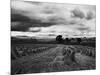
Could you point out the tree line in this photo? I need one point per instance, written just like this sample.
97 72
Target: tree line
59 39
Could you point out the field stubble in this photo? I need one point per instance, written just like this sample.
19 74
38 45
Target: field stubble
53 58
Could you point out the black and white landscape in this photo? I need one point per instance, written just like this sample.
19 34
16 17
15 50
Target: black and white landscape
52 37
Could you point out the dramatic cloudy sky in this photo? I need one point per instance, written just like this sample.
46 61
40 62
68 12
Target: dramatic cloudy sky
38 19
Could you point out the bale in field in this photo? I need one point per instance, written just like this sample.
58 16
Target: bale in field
69 56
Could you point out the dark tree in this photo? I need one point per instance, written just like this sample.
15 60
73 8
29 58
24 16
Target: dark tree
79 40
59 39
72 39
67 40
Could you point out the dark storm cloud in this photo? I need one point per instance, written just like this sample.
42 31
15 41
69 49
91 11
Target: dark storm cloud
90 15
22 23
34 15
20 18
56 20
84 29
77 13
23 26
33 2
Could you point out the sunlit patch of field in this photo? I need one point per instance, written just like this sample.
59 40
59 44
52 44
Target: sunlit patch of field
38 58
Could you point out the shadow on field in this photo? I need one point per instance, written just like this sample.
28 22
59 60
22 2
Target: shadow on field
28 41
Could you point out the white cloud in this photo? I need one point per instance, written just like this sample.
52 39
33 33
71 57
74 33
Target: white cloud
34 29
